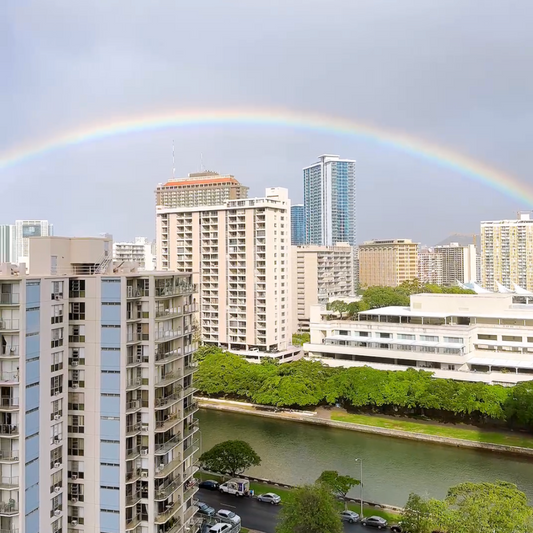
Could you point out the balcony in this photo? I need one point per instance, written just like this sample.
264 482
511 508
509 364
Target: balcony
162 357
8 324
167 335
9 351
189 410
9 404
178 290
9 482
164 491
191 449
9 508
133 499
190 429
130 524
133 453
9 456
170 510
190 368
9 430
190 491
134 475
9 299
170 421
134 384
164 401
168 378
164 470
164 448
168 313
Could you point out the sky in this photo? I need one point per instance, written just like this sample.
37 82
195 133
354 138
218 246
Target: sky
456 73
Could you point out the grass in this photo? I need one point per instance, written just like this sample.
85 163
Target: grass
244 530
439 430
261 488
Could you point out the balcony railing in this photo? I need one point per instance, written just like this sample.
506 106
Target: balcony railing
9 299
9 508
167 356
171 420
168 445
9 351
132 499
169 511
9 324
164 491
8 456
9 429
167 379
9 403
167 400
9 481
9 376
168 334
192 408
175 291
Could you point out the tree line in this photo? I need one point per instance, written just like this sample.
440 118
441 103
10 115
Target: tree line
414 393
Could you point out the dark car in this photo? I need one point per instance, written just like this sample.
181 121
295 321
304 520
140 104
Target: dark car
209 484
204 509
375 521
396 528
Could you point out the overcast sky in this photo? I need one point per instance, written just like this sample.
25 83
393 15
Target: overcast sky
453 72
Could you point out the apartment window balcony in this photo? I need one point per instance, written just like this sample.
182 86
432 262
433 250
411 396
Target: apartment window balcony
166 401
163 357
9 430
135 405
136 474
133 453
170 421
133 499
167 488
8 455
133 429
9 351
163 470
167 335
168 379
9 298
168 313
170 510
190 490
8 324
171 443
191 449
137 360
8 403
190 368
9 508
130 524
135 384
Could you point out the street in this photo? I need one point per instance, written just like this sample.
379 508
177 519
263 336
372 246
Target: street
255 515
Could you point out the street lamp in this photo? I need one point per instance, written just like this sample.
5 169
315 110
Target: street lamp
360 461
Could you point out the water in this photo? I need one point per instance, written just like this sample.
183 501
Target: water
297 453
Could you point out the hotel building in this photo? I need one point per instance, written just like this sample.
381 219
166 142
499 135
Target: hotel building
482 337
97 430
239 253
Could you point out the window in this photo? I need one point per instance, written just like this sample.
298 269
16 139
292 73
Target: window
384 335
57 409
57 290
76 334
75 494
429 338
76 446
56 385
76 424
56 456
57 338
76 378
57 361
406 336
485 337
511 338
57 314
76 311
56 481
77 288
56 433
76 401
457 340
76 470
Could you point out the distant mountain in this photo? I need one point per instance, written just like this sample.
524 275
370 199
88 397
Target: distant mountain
461 239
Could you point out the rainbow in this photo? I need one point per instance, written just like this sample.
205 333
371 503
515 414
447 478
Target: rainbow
454 161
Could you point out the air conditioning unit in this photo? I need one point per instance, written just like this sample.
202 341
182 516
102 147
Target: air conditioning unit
144 474
139 359
56 393
57 465
75 385
74 500
57 512
57 489
57 417
144 451
74 522
139 381
56 440
74 362
74 476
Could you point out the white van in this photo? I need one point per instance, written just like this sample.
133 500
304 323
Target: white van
220 528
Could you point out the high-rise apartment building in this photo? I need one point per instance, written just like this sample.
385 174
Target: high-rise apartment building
297 225
8 244
507 253
429 266
329 200
459 263
98 430
199 188
140 251
319 273
24 229
239 253
387 262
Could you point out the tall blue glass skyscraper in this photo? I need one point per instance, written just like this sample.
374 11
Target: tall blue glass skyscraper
329 201
297 225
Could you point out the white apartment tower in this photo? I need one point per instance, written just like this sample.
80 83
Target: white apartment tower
140 251
239 253
24 229
319 273
8 244
98 430
507 253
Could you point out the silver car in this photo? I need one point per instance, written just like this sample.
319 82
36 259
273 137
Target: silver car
349 516
269 497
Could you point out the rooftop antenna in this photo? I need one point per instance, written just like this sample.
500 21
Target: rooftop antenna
173 160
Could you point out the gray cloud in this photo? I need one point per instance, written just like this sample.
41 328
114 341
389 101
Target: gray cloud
453 72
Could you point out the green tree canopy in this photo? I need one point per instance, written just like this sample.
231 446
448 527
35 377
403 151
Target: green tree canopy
338 484
338 306
230 457
310 509
299 339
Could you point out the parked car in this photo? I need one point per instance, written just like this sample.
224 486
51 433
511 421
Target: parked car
220 528
209 484
269 497
204 508
228 515
396 528
349 516
375 521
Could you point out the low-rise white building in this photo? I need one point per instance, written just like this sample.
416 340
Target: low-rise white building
482 337
140 251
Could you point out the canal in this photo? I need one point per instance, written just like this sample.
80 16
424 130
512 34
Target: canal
297 453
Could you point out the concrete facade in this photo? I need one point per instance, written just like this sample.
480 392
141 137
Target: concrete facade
387 262
319 274
98 429
482 337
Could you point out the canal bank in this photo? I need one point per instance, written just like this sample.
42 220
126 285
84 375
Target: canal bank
297 453
309 417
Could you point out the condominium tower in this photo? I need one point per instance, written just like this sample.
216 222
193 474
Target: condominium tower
8 244
448 264
141 251
98 429
329 200
200 188
297 225
24 229
319 273
239 253
387 262
429 266
507 253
